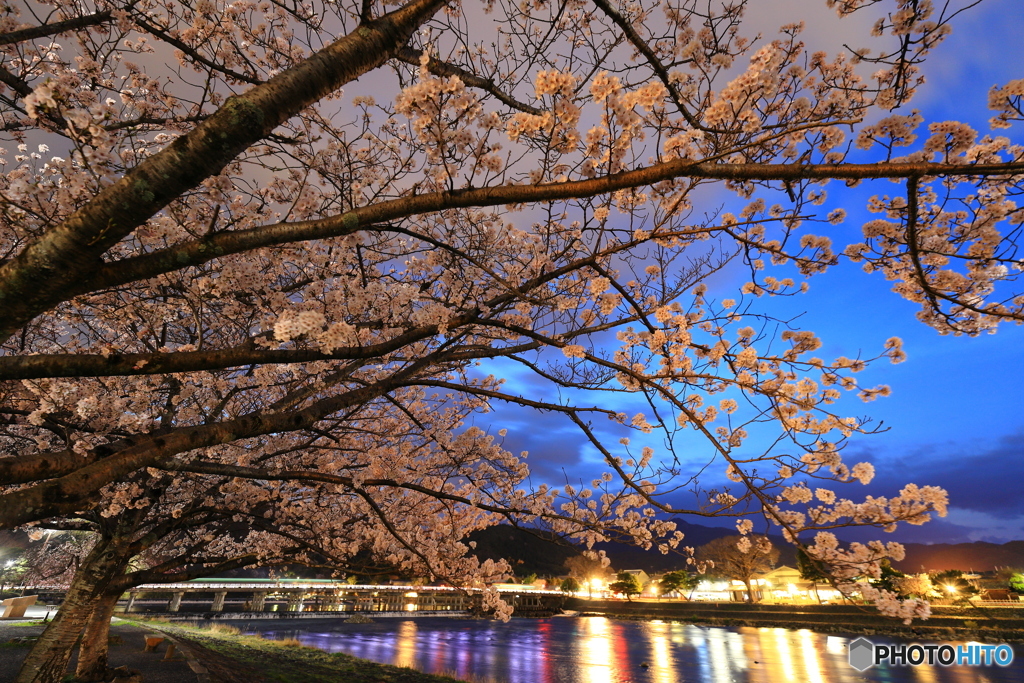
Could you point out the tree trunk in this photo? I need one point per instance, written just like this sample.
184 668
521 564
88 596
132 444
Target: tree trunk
47 662
92 653
750 591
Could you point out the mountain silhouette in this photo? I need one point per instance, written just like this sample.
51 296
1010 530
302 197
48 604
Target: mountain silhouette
535 552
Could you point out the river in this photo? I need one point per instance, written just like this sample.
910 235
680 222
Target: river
602 650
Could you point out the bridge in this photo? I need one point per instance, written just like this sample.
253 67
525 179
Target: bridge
304 598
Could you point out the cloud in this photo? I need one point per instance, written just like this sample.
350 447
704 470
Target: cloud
553 443
979 477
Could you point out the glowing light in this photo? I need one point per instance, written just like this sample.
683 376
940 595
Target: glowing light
812 662
405 644
597 652
950 589
661 653
835 645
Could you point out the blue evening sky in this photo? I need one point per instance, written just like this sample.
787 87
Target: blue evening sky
954 418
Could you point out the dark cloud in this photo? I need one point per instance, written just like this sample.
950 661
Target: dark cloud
979 476
552 441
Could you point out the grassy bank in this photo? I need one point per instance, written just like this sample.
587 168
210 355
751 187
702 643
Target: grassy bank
235 658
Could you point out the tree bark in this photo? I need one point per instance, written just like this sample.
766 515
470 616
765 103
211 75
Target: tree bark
48 660
750 591
92 653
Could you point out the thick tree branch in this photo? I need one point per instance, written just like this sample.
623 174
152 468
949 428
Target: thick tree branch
26 468
14 83
119 365
364 218
138 578
60 495
54 28
40 276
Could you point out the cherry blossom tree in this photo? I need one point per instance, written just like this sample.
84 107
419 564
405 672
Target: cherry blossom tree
203 519
740 558
126 549
282 242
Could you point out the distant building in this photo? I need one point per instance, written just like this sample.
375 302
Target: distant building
640 574
711 590
785 585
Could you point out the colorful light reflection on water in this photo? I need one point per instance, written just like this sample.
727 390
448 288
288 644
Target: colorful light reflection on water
600 650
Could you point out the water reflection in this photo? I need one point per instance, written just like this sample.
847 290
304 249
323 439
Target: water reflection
661 653
596 649
599 650
405 647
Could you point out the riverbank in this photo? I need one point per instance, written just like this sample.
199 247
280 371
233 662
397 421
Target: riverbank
231 657
126 650
985 625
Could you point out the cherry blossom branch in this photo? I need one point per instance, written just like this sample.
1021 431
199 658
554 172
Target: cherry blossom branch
192 53
914 252
119 365
51 29
299 476
59 495
138 578
912 246
365 218
652 60
510 512
20 86
382 517
519 400
438 68
41 274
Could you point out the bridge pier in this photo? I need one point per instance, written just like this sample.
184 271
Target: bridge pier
218 601
175 604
